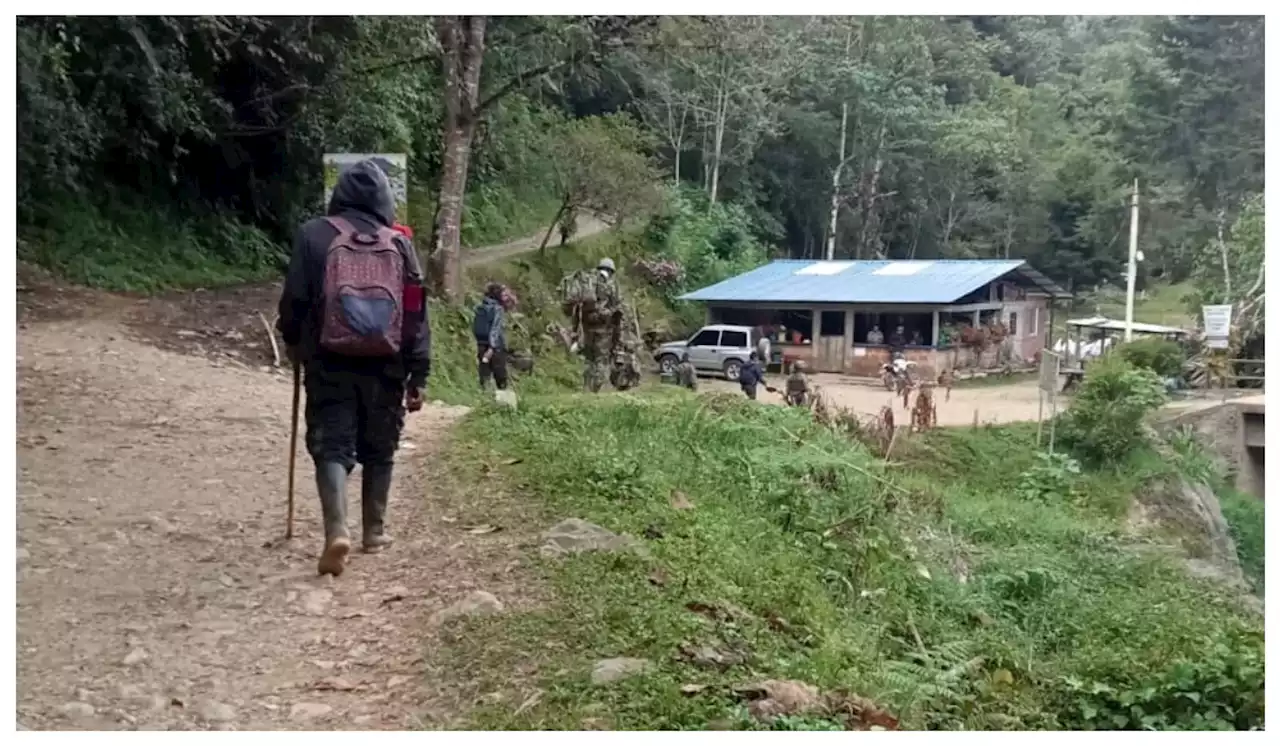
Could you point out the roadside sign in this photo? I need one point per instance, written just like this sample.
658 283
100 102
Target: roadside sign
394 165
1050 364
1217 326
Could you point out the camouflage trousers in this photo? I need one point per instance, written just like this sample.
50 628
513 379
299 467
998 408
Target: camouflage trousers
625 372
596 344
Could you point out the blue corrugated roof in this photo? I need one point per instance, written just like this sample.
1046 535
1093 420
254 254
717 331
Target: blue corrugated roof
888 281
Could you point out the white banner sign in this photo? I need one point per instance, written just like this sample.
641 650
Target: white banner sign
1217 326
394 165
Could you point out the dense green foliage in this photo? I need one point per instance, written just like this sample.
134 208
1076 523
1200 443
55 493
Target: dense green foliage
1160 356
946 597
978 136
1105 422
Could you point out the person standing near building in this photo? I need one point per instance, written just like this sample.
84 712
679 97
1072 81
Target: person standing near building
686 374
751 376
764 349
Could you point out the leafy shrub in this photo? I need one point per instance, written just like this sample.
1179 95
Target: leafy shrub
1161 356
711 242
662 273
1053 477
1222 691
1105 422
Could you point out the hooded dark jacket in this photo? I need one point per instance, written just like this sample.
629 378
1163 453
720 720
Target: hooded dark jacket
363 197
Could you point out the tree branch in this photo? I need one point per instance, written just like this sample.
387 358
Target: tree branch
521 78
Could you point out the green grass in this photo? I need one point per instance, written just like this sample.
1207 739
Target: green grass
121 242
492 214
948 598
133 246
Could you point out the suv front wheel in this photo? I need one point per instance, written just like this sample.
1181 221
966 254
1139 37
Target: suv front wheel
732 368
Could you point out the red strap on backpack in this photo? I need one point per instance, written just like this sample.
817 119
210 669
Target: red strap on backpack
414 297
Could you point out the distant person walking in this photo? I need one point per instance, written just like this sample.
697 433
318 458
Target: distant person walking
686 374
490 332
764 348
750 376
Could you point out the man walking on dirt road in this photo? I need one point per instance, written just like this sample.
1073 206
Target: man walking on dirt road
353 314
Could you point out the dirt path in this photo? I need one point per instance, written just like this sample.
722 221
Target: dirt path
154 591
588 225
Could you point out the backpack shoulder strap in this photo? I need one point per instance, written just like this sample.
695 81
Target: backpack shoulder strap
346 231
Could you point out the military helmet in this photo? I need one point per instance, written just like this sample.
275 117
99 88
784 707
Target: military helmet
798 366
606 263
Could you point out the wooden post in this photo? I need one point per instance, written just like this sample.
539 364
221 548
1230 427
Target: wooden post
936 319
813 338
847 353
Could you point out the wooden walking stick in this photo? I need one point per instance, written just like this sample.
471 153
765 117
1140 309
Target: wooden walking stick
293 446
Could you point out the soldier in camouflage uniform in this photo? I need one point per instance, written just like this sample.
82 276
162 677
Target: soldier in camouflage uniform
798 389
686 374
600 327
625 372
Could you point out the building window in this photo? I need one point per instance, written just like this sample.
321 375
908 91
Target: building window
1035 321
1013 324
831 324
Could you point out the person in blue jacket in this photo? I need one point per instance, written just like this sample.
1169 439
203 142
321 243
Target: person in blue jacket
751 376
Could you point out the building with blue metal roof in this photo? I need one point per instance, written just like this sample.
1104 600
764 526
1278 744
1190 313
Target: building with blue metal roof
848 316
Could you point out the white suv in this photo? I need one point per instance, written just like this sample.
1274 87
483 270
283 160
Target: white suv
720 347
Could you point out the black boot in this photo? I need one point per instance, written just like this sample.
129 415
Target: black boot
331 483
375 491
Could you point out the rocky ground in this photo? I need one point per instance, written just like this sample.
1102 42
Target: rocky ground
155 590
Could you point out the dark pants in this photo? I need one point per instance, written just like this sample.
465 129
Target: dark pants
354 414
495 368
749 389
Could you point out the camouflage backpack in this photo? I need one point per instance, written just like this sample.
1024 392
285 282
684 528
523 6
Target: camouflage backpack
578 292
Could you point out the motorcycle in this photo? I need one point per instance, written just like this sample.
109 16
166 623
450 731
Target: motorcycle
896 374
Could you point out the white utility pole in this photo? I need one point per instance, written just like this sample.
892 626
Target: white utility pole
1133 264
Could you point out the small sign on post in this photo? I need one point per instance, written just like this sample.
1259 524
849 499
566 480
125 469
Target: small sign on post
1217 326
1050 367
394 165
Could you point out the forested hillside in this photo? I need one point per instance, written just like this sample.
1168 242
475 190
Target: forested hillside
189 147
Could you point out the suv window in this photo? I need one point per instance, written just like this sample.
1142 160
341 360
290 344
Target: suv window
705 338
733 339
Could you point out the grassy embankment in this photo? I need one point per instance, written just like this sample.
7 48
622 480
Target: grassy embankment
121 242
942 587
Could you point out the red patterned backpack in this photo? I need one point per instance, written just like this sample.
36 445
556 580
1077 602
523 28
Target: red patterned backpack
364 282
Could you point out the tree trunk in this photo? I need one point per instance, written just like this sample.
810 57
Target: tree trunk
564 206
869 235
722 114
1222 247
677 142
706 162
462 43
835 183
